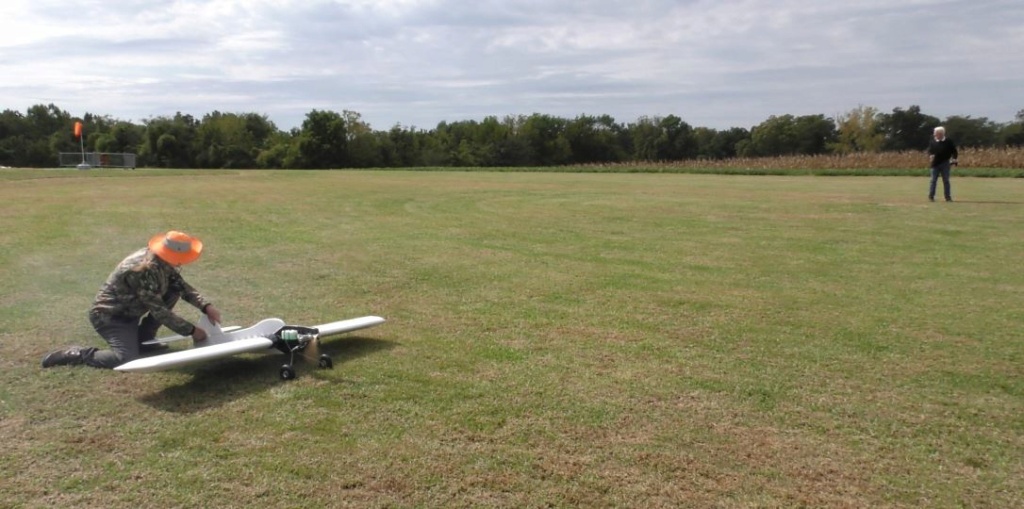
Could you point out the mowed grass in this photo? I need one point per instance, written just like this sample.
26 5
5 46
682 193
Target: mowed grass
553 340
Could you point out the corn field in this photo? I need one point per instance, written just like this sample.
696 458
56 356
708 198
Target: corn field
972 162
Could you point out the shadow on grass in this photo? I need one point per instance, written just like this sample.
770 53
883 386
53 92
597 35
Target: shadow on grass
983 202
224 380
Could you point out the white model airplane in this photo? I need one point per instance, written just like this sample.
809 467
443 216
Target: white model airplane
266 336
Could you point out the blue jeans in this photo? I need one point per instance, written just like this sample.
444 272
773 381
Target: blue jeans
937 170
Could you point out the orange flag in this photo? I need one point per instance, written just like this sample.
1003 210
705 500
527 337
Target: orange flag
78 129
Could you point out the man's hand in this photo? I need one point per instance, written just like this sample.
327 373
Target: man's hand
213 313
198 335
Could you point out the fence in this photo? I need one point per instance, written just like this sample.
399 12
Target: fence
97 160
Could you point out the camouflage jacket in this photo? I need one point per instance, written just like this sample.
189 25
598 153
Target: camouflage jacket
142 284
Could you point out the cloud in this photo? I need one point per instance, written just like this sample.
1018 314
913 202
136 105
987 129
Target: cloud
417 62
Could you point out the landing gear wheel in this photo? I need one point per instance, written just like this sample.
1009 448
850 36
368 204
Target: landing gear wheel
326 362
287 372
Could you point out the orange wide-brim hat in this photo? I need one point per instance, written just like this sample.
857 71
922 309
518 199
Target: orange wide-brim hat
176 248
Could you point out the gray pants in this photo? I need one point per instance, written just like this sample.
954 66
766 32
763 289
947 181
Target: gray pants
125 338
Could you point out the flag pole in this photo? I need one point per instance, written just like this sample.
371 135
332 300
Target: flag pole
81 143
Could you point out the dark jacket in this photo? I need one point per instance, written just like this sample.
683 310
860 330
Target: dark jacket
942 151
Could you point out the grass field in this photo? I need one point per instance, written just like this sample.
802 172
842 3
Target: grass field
553 340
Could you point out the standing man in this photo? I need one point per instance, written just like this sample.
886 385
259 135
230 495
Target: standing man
137 299
943 154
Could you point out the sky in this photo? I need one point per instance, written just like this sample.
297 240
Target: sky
415 63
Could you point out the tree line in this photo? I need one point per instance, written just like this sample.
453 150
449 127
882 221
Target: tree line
329 139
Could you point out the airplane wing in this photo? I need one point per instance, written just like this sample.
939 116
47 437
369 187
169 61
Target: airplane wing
176 337
343 326
233 341
195 355
214 331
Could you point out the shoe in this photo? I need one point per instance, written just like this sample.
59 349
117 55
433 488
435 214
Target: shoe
949 199
931 199
67 357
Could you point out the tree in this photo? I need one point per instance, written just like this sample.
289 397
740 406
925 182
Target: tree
12 138
594 139
545 135
45 131
814 134
789 135
455 144
323 141
714 144
42 121
730 141
971 132
492 138
400 147
510 149
705 138
363 146
330 140
1012 134
859 131
662 139
774 137
168 143
122 137
436 149
676 141
643 136
280 151
906 129
223 140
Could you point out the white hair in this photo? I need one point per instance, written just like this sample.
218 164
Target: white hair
940 129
